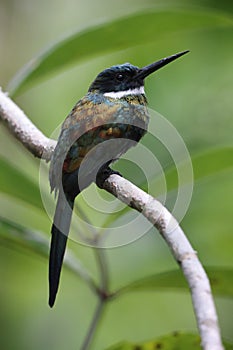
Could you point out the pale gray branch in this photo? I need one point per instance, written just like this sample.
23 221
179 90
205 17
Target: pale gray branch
182 251
24 130
40 146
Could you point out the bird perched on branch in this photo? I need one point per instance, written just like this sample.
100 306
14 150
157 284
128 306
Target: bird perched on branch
111 118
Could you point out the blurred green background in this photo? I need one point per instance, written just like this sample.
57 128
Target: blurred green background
195 94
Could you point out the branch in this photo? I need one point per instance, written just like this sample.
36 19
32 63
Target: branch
40 146
24 130
182 251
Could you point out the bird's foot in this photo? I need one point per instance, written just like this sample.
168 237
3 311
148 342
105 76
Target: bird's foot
103 174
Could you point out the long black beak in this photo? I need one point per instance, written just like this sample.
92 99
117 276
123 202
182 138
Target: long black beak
151 68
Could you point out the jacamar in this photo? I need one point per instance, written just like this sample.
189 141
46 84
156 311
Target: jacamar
104 124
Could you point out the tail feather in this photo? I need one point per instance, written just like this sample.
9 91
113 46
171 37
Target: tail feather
60 231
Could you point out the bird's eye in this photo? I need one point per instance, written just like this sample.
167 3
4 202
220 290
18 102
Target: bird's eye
120 77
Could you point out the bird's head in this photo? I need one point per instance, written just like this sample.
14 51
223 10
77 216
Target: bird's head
122 79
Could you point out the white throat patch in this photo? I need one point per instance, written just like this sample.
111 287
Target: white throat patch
120 94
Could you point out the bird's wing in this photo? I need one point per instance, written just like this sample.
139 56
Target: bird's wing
91 122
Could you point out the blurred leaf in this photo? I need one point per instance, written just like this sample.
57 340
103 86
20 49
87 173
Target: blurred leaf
204 164
174 341
112 36
221 280
224 5
212 161
16 184
19 238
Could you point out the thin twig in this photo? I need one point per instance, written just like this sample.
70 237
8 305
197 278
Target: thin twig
102 291
75 265
103 268
103 296
93 326
204 307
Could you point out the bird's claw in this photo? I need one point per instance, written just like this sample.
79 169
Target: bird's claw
103 174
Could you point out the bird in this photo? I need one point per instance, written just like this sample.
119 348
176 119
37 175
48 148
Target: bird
111 118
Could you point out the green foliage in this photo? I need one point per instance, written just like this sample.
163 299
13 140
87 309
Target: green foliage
206 164
175 341
110 37
16 184
196 96
19 238
220 279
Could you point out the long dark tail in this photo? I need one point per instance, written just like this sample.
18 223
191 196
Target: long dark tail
60 231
